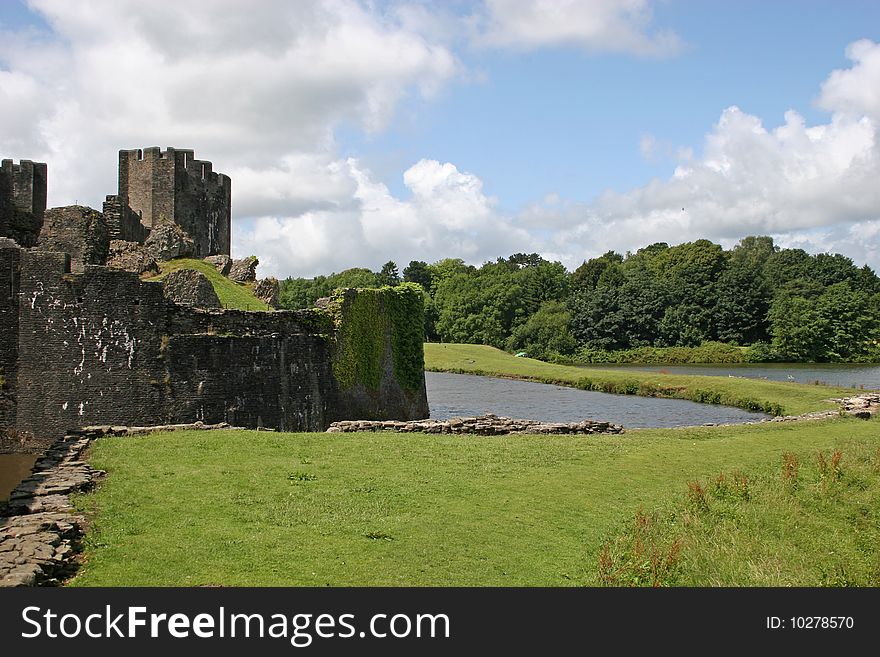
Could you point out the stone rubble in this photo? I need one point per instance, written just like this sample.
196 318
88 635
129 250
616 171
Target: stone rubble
167 241
131 256
864 406
190 288
266 290
482 425
222 263
244 270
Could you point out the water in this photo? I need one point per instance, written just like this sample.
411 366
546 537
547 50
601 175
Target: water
451 395
14 468
844 375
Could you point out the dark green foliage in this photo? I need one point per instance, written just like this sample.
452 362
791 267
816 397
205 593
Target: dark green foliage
418 272
297 293
360 344
839 324
405 306
660 302
485 305
708 352
788 304
545 335
388 274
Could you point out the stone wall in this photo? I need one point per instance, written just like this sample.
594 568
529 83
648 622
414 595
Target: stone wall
104 347
122 223
10 267
22 200
79 231
173 185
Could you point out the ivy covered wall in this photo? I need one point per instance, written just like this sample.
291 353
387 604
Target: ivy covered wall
377 352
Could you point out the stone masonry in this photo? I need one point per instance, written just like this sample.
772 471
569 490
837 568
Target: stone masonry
174 186
79 231
104 347
22 200
81 343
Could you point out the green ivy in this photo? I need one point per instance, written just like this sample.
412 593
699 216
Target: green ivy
406 307
363 318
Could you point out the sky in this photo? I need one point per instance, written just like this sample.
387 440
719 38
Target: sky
361 132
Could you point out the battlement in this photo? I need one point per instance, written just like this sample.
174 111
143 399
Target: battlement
26 183
171 184
22 200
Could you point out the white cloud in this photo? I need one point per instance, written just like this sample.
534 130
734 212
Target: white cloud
447 215
260 89
814 186
256 85
607 25
856 90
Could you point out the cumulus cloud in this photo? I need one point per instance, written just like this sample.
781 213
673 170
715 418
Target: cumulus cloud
447 214
607 25
257 85
811 186
261 89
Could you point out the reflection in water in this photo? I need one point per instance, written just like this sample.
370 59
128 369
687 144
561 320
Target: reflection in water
451 395
14 468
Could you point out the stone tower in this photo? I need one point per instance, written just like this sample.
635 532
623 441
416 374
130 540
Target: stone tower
172 185
22 200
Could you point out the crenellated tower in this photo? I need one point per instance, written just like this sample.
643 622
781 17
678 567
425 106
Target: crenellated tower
22 200
157 185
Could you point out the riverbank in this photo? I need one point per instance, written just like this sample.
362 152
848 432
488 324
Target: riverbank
775 398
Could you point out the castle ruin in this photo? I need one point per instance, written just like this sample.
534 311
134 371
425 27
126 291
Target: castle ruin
157 185
22 200
84 344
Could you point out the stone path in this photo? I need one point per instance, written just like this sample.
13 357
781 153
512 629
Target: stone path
40 531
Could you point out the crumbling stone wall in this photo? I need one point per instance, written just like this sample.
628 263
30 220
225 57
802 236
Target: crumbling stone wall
174 186
22 200
79 231
104 347
122 223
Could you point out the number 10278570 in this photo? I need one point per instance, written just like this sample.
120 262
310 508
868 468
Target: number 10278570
810 623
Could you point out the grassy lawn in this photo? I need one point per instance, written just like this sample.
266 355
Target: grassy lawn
236 296
261 508
752 394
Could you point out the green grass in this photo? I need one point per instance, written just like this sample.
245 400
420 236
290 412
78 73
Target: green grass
236 296
260 508
752 394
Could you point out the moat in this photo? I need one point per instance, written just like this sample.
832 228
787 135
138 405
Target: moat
451 395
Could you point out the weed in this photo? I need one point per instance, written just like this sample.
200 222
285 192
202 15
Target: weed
741 486
735 487
836 469
789 468
379 536
696 495
302 476
642 557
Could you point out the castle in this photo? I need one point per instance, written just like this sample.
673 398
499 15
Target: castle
82 343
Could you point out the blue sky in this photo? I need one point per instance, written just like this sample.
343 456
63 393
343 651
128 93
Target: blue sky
570 122
357 133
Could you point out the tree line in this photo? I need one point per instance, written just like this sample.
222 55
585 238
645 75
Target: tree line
754 302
